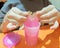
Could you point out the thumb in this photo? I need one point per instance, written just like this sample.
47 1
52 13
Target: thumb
55 26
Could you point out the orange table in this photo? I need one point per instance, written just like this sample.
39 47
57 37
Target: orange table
46 39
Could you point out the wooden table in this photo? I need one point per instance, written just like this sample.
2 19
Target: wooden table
46 39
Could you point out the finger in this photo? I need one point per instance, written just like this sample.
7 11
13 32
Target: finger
55 26
18 11
50 14
12 21
13 24
45 10
21 27
18 22
49 20
10 26
25 14
12 15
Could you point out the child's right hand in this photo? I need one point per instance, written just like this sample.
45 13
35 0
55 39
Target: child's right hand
13 19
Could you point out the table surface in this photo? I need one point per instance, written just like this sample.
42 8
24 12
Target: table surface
46 39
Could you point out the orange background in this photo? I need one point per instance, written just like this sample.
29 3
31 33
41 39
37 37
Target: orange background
46 39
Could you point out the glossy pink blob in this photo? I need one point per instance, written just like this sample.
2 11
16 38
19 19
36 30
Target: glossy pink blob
11 39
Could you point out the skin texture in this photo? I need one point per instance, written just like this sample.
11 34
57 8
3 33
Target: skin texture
13 19
49 15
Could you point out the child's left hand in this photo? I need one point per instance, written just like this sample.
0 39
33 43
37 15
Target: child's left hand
49 15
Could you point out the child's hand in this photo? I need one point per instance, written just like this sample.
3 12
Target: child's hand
13 19
49 15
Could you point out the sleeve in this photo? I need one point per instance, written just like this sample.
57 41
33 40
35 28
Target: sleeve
12 3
